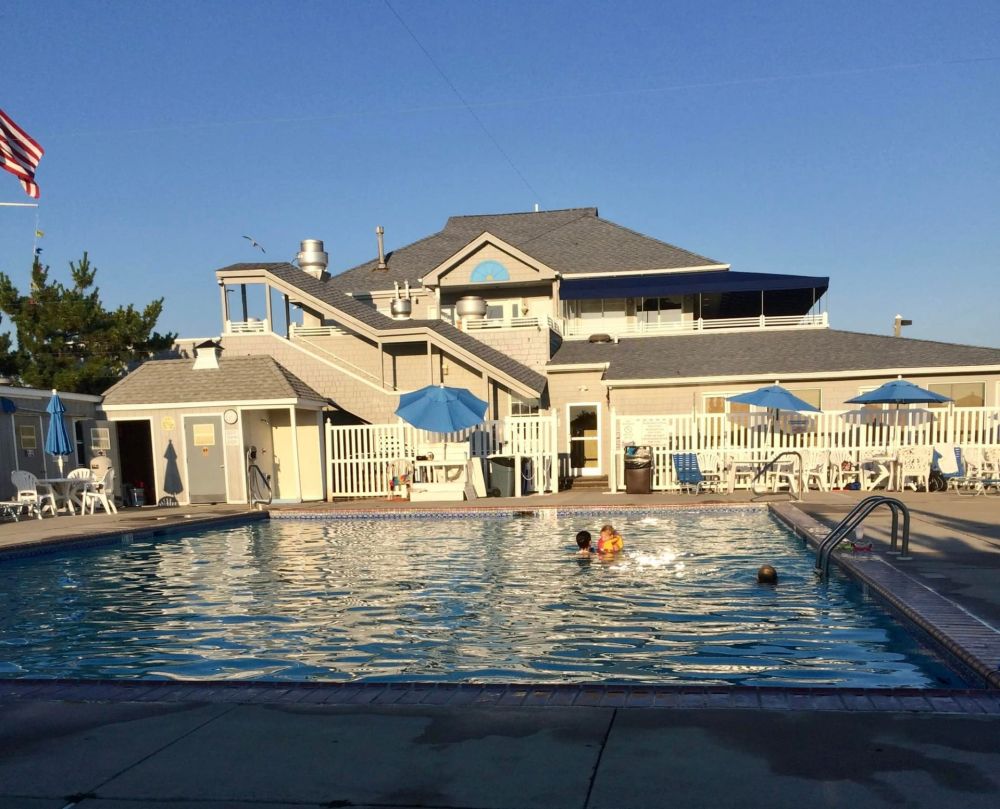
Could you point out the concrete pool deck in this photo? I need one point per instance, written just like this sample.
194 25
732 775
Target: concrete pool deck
154 745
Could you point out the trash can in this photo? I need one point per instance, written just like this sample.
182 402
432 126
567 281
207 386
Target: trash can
638 470
502 476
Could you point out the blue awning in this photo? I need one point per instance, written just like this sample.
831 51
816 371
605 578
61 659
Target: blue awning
686 283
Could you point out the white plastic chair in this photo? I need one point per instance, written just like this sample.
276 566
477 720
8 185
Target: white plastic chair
98 491
817 464
82 479
30 493
915 465
845 469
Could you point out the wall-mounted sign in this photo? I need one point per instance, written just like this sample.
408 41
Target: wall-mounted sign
167 423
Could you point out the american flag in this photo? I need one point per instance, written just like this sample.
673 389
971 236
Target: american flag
19 154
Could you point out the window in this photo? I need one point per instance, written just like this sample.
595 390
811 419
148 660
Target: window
27 436
100 439
660 310
523 407
813 396
717 403
964 394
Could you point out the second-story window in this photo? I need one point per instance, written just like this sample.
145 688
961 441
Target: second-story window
520 406
660 310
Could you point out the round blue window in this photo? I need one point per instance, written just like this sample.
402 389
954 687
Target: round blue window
489 271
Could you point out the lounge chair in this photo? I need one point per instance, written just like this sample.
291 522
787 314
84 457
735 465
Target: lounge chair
687 470
35 497
951 465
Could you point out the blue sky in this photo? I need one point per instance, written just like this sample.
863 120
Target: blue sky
857 140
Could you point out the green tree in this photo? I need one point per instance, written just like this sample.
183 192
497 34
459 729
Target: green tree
66 339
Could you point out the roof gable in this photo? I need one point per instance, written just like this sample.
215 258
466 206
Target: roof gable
488 259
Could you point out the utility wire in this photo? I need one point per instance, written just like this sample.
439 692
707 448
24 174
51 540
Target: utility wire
465 103
524 101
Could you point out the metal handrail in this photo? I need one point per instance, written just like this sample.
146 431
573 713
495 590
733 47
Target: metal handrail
769 465
854 518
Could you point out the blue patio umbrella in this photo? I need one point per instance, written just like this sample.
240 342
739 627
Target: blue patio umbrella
774 397
440 409
899 392
57 441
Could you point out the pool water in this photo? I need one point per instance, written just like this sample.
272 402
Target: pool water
474 600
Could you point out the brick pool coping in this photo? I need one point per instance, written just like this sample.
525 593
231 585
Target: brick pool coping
444 695
968 642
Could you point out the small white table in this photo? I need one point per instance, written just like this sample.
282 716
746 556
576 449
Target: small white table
65 491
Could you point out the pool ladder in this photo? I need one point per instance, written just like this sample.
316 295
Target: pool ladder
856 516
794 494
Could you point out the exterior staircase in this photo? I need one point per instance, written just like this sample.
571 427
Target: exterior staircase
348 389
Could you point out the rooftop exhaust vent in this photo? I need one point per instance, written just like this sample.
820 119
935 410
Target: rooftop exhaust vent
312 259
206 355
379 232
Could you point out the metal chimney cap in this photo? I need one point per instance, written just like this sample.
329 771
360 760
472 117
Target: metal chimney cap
312 258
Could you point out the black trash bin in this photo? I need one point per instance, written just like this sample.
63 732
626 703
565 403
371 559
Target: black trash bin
638 470
502 476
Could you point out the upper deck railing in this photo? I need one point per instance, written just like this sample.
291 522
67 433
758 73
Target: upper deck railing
585 328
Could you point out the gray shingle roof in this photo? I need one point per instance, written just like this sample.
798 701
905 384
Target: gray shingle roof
250 378
575 240
768 354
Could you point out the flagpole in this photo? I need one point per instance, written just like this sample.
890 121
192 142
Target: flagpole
18 204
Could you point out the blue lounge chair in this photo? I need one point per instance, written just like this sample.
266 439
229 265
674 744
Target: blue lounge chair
688 473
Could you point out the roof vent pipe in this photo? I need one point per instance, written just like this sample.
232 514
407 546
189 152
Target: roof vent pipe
379 232
312 260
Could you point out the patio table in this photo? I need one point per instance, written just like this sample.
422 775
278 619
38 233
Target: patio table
66 492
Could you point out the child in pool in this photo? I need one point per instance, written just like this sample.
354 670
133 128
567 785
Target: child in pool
583 543
610 540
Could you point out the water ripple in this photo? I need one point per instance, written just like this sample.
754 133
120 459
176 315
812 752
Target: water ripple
460 600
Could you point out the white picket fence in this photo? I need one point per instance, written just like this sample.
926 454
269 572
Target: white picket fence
372 460
758 437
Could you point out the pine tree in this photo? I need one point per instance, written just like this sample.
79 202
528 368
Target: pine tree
66 339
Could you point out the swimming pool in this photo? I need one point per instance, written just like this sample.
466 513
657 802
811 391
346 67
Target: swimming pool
475 600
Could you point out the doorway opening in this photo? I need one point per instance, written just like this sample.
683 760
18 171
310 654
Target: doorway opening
135 450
